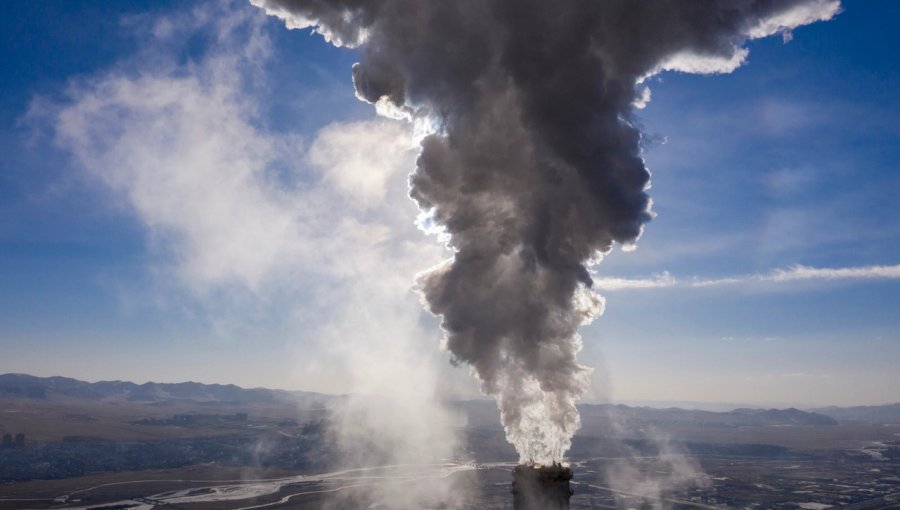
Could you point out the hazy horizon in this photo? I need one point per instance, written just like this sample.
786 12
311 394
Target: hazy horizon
653 403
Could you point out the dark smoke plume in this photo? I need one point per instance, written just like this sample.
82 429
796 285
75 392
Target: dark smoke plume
530 163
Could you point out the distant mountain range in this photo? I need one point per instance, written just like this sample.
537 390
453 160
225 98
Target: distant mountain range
477 412
675 417
48 388
604 419
889 413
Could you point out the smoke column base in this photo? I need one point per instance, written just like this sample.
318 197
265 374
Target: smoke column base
541 487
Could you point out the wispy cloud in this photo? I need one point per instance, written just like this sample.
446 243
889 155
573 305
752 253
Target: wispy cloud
792 274
657 281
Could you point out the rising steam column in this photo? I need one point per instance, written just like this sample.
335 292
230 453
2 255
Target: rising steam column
541 487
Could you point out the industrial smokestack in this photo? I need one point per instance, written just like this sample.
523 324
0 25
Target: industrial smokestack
530 165
541 487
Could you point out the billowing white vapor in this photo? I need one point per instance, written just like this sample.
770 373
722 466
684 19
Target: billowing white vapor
530 163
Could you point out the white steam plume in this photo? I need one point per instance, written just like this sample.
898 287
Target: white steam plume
236 208
532 165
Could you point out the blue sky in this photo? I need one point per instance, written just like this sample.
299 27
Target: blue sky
194 192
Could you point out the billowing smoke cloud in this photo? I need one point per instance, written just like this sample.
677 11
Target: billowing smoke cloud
530 163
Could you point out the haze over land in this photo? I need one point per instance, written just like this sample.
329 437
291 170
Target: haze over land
191 444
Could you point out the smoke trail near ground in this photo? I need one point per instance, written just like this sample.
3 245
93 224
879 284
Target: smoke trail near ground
530 163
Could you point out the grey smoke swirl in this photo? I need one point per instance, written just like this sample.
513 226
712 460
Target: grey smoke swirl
531 164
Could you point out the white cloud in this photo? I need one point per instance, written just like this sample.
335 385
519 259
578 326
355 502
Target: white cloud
812 273
663 280
794 273
798 272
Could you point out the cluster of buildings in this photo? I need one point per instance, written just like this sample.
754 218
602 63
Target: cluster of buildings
814 483
197 420
10 441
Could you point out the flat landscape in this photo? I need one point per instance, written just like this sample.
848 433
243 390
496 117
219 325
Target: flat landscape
94 450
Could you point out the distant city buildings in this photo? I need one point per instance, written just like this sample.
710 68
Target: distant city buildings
8 441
